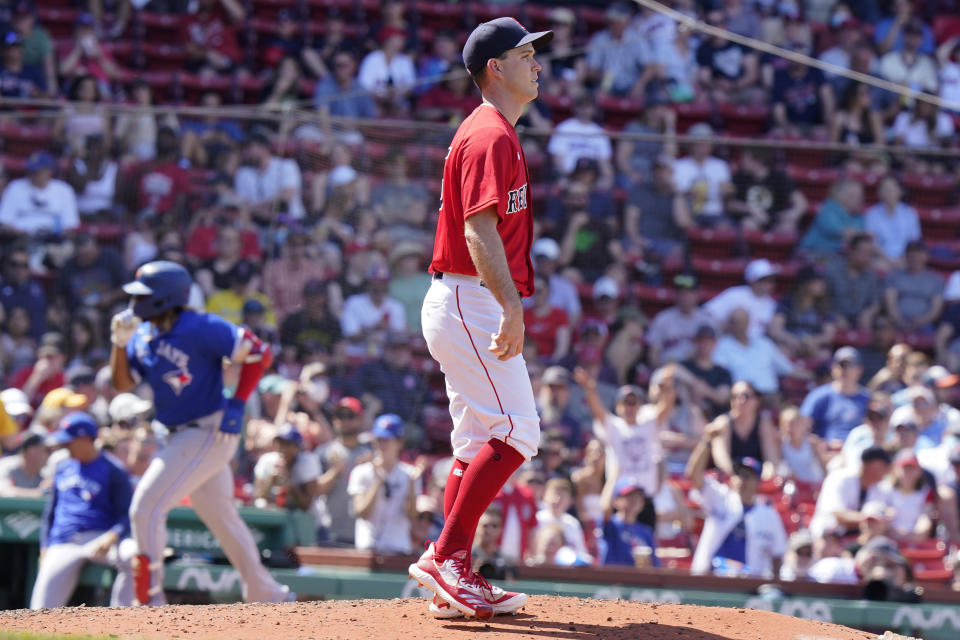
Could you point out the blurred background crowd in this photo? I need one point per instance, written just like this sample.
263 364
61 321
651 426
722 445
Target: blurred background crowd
744 347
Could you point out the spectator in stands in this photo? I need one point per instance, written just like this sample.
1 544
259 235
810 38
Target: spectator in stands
741 535
588 483
20 475
703 179
486 556
268 184
37 44
565 70
873 431
87 57
764 197
750 357
903 369
858 122
19 288
922 126
892 223
519 508
400 204
17 414
729 72
931 422
558 498
557 413
911 496
92 278
443 58
894 32
84 116
848 36
206 138
874 355
39 203
837 221
947 343
287 476
655 216
626 538
802 456
711 391
17 346
409 280
388 72
913 297
563 293
337 460
390 384
636 160
615 57
910 65
548 326
949 69
368 316
340 94
587 247
803 325
18 80
581 137
852 284
136 131
284 278
846 490
746 431
756 297
93 177
284 87
384 492
450 101
46 374
834 409
231 247
228 303
799 556
671 335
803 101
160 186
209 35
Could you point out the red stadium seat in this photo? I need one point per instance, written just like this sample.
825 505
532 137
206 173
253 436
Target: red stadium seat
269 9
852 337
945 27
815 158
653 300
719 274
814 183
618 112
157 27
440 15
163 83
193 86
164 57
930 191
939 224
592 19
561 107
59 22
747 120
776 246
712 243
20 140
689 114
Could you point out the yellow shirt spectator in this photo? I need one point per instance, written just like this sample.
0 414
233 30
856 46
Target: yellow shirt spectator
228 304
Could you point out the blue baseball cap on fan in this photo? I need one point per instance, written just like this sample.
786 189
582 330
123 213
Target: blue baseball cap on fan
388 426
493 39
75 425
749 463
289 433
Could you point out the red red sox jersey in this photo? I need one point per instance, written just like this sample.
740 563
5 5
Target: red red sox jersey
485 166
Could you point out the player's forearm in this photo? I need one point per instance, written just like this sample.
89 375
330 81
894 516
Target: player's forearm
120 369
490 258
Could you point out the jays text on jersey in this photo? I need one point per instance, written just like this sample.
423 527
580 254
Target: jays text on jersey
485 167
184 365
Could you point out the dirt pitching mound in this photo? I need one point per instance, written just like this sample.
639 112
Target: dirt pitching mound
543 617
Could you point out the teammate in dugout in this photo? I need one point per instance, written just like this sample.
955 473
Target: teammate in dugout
472 314
180 354
84 520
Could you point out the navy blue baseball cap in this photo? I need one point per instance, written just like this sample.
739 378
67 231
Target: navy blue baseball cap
749 463
492 39
40 160
75 425
388 425
289 433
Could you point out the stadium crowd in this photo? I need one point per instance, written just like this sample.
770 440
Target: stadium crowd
745 357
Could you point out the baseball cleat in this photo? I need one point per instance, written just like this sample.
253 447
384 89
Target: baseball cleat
450 579
503 602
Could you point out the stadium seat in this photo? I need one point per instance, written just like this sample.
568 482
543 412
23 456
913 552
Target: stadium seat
618 112
163 57
561 107
193 86
58 22
164 84
537 17
937 223
945 27
746 120
813 158
269 9
592 19
719 274
712 243
689 114
251 89
930 191
869 182
852 337
440 15
653 300
20 140
776 246
814 183
157 27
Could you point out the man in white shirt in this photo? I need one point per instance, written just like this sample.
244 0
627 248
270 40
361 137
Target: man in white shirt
557 499
756 297
388 72
269 185
741 535
845 491
368 317
704 180
384 492
671 334
581 137
39 203
753 358
288 470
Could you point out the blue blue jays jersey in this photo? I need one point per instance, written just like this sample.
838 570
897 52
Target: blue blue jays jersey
184 366
87 497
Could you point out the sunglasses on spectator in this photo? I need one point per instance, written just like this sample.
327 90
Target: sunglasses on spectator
426 515
805 552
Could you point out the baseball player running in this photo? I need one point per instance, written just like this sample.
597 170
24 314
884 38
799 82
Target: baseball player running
472 314
84 520
180 353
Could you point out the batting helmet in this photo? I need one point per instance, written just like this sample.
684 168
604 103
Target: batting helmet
160 285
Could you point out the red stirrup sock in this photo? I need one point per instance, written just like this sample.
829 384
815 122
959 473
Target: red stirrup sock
450 492
484 478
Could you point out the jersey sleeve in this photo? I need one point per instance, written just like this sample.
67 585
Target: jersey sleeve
487 165
220 336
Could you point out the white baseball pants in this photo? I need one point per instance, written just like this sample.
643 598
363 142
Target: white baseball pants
60 570
196 462
489 398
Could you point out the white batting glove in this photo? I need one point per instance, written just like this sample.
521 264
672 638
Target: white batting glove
122 327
